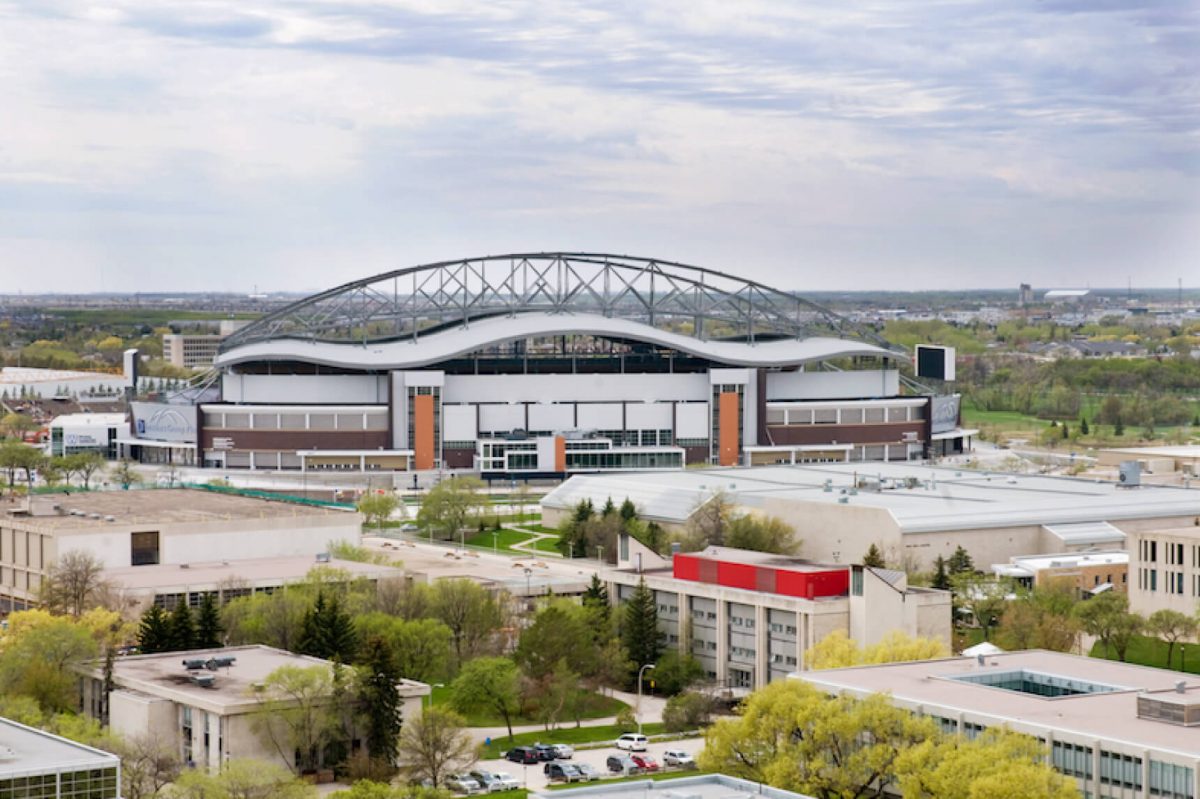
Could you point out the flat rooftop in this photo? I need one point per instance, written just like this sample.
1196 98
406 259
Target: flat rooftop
1066 560
941 499
24 750
702 786
1110 715
156 506
256 571
1176 451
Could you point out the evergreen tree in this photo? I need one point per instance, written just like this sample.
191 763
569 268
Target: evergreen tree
154 634
628 512
941 580
311 642
639 628
583 511
182 629
380 698
596 593
609 508
208 624
960 562
1066 431
1118 427
1083 426
340 640
874 558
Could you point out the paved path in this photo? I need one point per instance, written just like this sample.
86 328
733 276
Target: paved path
652 710
530 544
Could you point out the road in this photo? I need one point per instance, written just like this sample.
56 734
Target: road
534 779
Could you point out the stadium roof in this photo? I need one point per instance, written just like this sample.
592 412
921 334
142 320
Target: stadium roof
502 298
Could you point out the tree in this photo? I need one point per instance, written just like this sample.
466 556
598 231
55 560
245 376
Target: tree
761 534
487 685
1110 410
39 653
378 506
154 632
688 711
327 631
434 745
998 764
984 596
628 511
148 765
378 695
208 623
1118 427
1083 426
367 789
792 736
675 672
16 425
181 627
86 465
639 626
125 474
274 619
838 650
450 504
73 582
709 521
292 715
420 648
241 779
1171 626
941 580
559 632
471 613
1108 618
874 558
1040 619
960 562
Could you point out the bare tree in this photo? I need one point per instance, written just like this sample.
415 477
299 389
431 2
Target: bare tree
434 745
148 764
709 521
74 583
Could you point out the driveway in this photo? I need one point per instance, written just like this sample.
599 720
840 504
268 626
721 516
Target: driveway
531 777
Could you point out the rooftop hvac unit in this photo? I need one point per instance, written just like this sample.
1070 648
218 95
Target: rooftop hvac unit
224 662
203 680
1129 474
323 557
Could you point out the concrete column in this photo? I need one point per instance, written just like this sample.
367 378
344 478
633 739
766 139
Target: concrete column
722 639
214 741
762 647
685 624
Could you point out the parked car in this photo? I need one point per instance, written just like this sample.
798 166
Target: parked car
507 781
544 751
622 765
633 741
463 783
563 751
522 754
487 781
678 757
645 762
561 772
409 528
588 772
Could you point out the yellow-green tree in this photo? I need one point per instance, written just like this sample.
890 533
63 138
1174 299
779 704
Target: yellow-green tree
837 650
999 764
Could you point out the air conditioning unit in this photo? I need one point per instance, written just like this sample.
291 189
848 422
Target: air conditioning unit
1129 474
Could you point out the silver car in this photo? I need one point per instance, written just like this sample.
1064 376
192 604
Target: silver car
463 783
562 751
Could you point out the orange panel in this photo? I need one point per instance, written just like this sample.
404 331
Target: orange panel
423 431
560 454
727 429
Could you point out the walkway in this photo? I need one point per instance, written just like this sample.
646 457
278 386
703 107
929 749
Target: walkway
652 710
530 544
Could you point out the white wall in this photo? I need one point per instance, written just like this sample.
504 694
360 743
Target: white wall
600 416
553 417
261 543
572 388
648 416
857 384
285 389
691 420
458 423
501 418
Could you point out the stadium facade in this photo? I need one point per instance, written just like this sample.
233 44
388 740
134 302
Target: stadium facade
556 363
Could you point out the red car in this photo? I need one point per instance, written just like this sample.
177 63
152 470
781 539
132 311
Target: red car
645 762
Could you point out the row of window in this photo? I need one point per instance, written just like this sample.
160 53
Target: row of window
843 415
1173 582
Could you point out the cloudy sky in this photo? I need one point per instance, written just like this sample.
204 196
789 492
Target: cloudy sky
229 144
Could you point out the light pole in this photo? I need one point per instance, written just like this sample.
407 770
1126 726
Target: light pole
495 537
528 573
641 671
429 697
600 555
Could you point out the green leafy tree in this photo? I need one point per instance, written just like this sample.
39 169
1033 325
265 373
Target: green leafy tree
675 672
559 632
998 764
378 507
1040 619
208 623
761 534
984 596
241 779
960 562
488 685
86 465
874 558
688 711
37 662
292 716
125 474
379 696
639 626
1172 627
1083 426
154 631
471 613
1108 618
420 647
181 627
450 504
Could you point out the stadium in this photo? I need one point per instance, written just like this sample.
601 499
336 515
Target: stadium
557 363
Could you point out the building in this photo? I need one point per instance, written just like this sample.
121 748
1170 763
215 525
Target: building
1065 296
912 512
1184 459
750 617
36 764
1025 295
144 528
1086 573
203 703
191 350
1164 569
701 786
559 363
1123 731
74 433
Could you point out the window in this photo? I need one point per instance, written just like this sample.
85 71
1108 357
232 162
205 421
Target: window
1118 769
143 548
1072 759
1171 781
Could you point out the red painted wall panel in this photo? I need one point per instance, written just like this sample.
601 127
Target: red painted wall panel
803 584
736 575
686 567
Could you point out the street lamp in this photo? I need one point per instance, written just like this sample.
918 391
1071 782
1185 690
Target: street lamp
528 572
429 696
641 671
600 555
495 537
1183 657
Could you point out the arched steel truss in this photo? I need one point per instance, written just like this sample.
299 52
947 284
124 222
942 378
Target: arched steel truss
408 303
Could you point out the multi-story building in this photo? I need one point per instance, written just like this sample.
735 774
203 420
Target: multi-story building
177 527
205 704
191 350
1164 569
37 765
74 433
1123 731
751 617
1086 573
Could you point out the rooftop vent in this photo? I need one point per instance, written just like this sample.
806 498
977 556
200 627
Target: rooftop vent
110 518
1180 687
323 557
193 664
203 680
6 753
94 516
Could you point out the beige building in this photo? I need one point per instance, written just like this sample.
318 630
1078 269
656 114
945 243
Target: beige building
149 527
1087 573
191 350
1155 460
1122 731
210 713
1164 569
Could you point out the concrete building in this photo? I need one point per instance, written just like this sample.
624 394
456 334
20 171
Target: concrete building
1123 731
202 705
1183 459
143 528
1086 573
702 786
1164 569
37 765
750 617
912 512
191 350
73 433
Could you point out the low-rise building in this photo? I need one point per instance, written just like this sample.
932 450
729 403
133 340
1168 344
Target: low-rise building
750 617
37 765
1086 573
1123 731
75 433
204 704
143 528
701 786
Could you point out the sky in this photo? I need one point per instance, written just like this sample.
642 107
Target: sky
240 145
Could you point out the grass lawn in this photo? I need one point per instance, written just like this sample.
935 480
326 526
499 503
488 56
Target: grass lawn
505 538
1147 651
601 707
563 735
1011 424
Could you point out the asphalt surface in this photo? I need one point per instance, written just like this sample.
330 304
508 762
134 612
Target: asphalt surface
534 779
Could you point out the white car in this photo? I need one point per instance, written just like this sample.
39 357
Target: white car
508 781
562 751
463 783
632 741
678 757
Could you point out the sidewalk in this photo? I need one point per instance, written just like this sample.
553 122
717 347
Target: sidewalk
652 710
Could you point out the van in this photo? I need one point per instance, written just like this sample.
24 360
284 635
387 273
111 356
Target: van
632 742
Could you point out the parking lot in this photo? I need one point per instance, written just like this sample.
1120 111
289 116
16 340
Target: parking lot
531 776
